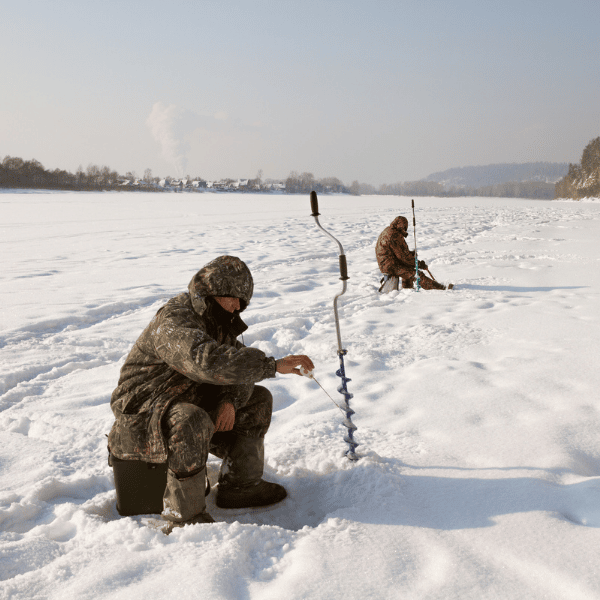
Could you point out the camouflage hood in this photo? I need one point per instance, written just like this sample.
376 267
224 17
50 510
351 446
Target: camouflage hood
223 276
400 223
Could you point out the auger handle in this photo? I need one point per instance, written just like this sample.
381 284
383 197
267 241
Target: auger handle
314 204
343 267
414 227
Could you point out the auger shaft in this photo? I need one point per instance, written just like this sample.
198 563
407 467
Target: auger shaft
418 278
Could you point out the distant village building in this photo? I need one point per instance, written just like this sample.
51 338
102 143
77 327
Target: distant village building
223 185
275 186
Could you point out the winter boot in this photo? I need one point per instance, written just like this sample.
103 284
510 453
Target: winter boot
389 283
240 480
184 501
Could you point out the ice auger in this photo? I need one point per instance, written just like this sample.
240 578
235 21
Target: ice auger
418 279
341 372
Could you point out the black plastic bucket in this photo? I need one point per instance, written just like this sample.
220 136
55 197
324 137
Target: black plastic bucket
140 486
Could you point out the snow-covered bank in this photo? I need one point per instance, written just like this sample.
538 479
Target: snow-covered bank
477 409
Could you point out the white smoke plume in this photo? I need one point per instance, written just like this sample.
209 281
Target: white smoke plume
169 126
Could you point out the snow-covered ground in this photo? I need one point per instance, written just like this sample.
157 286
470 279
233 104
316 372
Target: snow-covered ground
477 409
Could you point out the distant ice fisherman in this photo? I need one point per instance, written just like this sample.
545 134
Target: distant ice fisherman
397 262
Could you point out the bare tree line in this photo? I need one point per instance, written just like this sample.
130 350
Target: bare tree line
18 173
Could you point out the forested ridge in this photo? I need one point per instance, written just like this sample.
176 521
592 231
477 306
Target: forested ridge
582 180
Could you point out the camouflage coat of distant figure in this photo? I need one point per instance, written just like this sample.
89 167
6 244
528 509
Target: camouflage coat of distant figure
394 258
184 354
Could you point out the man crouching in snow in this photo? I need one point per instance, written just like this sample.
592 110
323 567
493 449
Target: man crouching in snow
396 260
187 388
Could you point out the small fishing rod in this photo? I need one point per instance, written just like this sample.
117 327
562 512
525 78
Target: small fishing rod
418 279
311 375
341 372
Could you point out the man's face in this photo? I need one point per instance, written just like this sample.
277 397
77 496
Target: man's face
228 303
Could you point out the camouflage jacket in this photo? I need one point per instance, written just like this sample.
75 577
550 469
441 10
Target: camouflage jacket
391 250
186 344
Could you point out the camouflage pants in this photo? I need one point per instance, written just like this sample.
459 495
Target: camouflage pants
425 282
188 426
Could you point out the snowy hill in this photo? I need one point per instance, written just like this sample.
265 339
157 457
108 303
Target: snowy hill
483 176
477 409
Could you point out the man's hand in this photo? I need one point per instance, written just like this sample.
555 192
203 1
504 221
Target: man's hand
293 363
225 417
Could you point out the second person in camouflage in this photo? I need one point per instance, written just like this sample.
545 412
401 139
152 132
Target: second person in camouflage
395 259
187 388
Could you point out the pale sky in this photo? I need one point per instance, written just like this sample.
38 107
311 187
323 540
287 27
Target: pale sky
374 91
